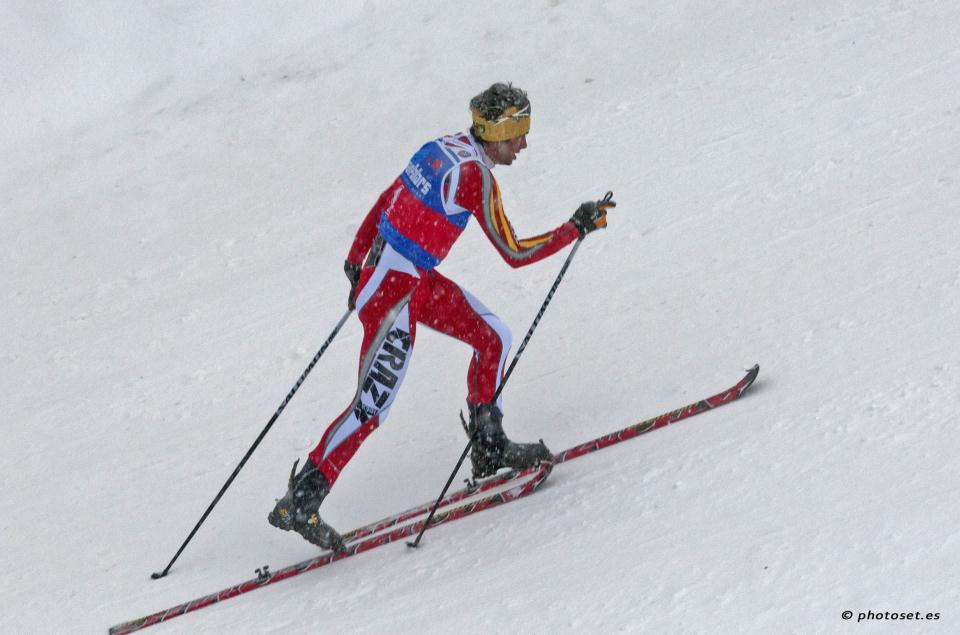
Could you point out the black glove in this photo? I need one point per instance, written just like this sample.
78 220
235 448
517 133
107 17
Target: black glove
592 215
353 275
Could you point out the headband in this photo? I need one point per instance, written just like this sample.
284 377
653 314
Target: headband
511 124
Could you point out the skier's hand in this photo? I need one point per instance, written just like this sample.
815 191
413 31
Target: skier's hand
353 275
592 215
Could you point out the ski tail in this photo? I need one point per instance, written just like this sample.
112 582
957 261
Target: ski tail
535 477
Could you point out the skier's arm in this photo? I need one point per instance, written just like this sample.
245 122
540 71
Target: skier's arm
478 192
363 241
368 229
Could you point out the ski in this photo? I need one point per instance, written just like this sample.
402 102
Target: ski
266 577
583 449
663 420
376 534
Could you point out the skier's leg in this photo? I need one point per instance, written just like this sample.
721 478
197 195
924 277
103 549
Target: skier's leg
453 311
383 301
388 338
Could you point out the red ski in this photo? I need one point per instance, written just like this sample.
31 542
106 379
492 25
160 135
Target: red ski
376 534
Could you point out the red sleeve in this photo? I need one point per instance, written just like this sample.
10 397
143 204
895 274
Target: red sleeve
478 193
368 228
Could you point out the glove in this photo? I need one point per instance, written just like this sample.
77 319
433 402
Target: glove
353 275
592 215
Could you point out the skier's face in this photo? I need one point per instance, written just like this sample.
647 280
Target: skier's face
504 152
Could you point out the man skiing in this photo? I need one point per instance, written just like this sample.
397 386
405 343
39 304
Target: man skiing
394 285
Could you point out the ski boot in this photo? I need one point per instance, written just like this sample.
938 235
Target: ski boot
492 449
299 509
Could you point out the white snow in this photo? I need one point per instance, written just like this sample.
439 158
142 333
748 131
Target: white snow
179 188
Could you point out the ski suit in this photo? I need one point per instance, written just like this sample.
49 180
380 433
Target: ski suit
404 236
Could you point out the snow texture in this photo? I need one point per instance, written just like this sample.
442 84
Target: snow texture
180 182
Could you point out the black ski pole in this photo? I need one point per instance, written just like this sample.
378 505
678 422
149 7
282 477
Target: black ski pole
159 574
503 383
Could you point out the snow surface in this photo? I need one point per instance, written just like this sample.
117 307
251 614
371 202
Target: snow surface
180 183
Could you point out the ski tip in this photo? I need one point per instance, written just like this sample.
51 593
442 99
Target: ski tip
751 376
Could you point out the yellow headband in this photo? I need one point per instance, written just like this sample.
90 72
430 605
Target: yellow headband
511 124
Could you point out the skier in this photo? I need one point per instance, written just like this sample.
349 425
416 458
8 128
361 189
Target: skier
402 239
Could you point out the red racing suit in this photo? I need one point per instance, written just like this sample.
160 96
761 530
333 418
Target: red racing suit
403 237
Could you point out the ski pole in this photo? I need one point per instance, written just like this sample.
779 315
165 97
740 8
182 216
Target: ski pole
159 574
506 376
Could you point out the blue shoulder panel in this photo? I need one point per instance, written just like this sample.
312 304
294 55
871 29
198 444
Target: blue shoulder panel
423 176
